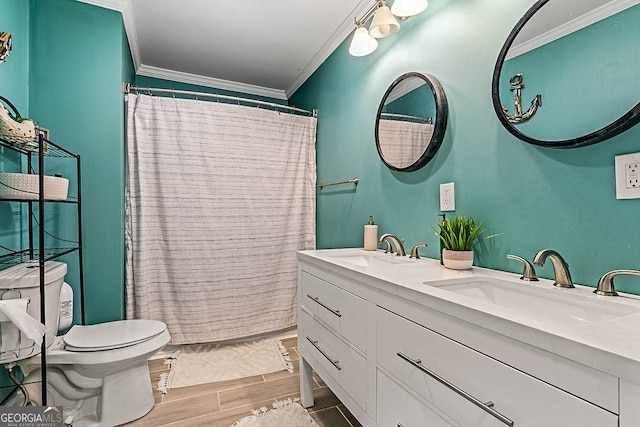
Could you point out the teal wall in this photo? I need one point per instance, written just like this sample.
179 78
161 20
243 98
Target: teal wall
14 77
14 85
536 197
77 66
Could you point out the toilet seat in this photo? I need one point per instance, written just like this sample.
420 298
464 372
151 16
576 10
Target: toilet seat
111 335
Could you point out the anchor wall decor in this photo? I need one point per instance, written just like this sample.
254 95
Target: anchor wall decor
516 87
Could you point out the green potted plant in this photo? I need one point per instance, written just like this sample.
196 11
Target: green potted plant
458 237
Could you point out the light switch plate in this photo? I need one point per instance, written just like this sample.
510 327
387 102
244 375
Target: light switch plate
628 176
447 197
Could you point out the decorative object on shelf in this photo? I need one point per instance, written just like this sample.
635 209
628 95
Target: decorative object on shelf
5 45
15 128
24 186
458 236
383 24
518 116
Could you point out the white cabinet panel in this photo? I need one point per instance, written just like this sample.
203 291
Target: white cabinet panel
342 311
336 358
515 395
398 407
629 404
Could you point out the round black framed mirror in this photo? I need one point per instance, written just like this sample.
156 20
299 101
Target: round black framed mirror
578 61
411 121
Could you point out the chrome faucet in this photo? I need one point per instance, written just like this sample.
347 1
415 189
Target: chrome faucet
387 247
529 273
605 284
414 251
396 242
560 267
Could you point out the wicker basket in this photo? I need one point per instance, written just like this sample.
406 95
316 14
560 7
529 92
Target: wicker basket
22 186
20 130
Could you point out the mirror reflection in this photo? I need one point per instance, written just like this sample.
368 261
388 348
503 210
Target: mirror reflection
410 122
581 58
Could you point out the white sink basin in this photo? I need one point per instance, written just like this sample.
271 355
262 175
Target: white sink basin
373 259
384 266
560 307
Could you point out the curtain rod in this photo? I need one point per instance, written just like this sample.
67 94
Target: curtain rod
128 88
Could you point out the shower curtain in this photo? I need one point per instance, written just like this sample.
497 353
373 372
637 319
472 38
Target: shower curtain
219 199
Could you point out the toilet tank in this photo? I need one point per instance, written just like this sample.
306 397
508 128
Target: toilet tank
23 281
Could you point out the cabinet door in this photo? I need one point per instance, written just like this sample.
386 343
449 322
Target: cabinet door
452 377
398 407
334 357
342 311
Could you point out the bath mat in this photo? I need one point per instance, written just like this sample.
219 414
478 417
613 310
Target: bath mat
207 363
286 413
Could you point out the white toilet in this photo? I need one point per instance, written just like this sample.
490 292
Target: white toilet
97 373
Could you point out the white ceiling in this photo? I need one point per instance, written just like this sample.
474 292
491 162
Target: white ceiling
271 48
252 46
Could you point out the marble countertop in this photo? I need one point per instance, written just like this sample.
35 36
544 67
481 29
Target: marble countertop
603 334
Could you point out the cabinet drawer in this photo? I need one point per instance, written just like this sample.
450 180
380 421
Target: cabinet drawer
398 407
415 355
334 357
342 311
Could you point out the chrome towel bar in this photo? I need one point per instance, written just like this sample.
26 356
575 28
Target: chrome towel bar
348 181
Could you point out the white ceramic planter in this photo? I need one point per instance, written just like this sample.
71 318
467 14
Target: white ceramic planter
457 260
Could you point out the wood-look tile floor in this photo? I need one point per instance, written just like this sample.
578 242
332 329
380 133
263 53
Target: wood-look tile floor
223 403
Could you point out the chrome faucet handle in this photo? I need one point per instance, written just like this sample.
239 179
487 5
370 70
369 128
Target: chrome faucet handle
414 251
560 267
605 284
397 242
529 272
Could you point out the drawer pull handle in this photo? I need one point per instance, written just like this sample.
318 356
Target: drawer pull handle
317 299
487 407
334 362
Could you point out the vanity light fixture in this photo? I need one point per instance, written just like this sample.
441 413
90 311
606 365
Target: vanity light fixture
405 9
362 43
383 24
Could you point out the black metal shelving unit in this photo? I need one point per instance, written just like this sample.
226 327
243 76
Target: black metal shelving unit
36 156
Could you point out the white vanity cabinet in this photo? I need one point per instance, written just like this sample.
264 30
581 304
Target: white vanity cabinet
451 377
398 358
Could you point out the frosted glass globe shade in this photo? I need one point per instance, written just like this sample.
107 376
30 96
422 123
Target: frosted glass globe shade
362 43
408 8
384 23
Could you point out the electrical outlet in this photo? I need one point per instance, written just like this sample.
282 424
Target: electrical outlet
447 197
628 176
632 175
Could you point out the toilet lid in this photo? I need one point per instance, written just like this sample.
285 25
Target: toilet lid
111 335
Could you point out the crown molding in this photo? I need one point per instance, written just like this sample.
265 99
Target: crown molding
118 5
576 24
339 35
179 76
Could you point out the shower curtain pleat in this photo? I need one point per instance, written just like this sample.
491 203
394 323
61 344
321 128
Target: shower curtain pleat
219 199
